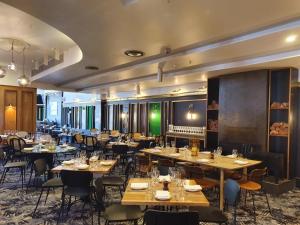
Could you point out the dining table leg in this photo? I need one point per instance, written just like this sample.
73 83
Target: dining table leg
221 189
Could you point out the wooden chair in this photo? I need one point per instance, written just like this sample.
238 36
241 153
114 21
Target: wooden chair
252 185
142 165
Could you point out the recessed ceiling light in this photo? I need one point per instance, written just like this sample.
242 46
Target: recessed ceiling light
291 38
134 53
92 68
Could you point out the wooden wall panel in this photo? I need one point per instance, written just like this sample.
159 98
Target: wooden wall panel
243 109
22 114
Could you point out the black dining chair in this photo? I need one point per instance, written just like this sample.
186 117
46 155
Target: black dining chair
120 150
118 181
21 165
115 213
156 217
40 168
214 214
77 184
90 143
17 145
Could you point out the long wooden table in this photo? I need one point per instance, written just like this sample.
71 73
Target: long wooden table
97 168
141 197
129 144
222 163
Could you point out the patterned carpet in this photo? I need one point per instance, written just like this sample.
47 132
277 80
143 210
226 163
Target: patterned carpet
16 207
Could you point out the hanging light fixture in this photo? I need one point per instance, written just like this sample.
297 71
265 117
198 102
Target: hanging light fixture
138 89
23 80
12 65
191 115
2 72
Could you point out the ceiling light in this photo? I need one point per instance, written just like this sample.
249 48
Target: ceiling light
92 68
291 38
2 72
23 80
12 65
134 53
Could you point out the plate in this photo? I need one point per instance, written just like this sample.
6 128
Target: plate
192 188
45 150
203 160
69 162
206 152
106 163
82 166
162 195
138 186
240 162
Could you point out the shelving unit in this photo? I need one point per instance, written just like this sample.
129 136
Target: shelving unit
212 112
280 91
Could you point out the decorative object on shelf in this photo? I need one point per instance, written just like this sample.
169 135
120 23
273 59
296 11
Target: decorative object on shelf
279 128
187 130
212 125
213 106
191 115
278 105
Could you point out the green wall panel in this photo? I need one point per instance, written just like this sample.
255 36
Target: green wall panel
154 119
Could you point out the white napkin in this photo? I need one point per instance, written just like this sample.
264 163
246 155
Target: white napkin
28 149
203 160
162 195
70 148
241 162
175 154
82 166
192 187
231 156
164 178
94 158
155 150
69 162
28 141
139 186
205 152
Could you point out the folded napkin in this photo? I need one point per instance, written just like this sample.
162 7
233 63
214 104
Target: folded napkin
139 186
155 150
192 187
70 148
28 149
203 160
28 141
68 162
205 152
82 166
162 195
175 154
241 162
164 178
231 156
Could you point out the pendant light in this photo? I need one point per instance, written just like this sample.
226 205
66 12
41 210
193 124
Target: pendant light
12 65
23 80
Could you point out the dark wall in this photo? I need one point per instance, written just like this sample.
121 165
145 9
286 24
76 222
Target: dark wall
180 110
243 111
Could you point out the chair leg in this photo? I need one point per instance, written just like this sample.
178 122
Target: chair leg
69 204
38 201
3 175
22 176
30 176
120 189
61 211
268 202
245 200
47 195
99 213
254 214
234 216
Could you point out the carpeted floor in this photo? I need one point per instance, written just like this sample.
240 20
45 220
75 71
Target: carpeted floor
16 207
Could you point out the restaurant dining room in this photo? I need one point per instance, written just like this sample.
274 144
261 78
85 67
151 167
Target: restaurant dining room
149 112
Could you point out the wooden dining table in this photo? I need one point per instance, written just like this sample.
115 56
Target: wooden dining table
129 144
96 167
178 198
222 163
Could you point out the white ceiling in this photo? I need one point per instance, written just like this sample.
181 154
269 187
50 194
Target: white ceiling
105 29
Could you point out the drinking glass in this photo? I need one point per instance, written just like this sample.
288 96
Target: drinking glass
219 150
234 153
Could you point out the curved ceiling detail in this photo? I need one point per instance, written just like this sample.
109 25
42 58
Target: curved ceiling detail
212 37
42 38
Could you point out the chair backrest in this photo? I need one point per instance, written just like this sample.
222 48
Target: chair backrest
80 179
40 167
22 134
120 149
2 155
104 135
152 144
257 174
128 169
90 141
192 171
156 217
136 135
10 137
78 138
17 143
231 192
115 133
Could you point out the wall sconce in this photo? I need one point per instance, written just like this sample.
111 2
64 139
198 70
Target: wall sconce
191 115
